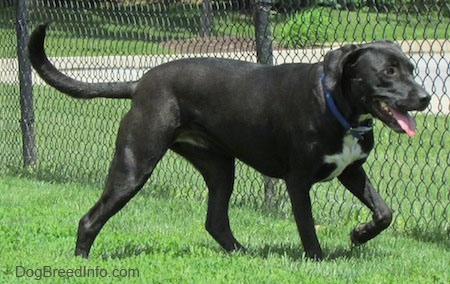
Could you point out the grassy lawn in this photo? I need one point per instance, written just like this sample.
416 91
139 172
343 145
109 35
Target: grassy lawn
161 240
144 30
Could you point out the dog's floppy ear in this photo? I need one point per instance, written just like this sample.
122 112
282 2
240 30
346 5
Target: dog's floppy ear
335 60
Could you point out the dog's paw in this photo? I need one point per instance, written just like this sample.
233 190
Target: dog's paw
313 256
354 235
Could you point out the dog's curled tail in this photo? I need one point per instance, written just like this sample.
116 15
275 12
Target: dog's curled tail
74 88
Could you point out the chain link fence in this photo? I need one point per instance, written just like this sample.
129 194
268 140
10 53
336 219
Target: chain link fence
99 40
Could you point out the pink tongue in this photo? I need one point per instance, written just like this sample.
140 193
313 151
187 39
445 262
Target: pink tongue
406 122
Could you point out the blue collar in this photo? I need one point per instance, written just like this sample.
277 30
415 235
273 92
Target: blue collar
357 132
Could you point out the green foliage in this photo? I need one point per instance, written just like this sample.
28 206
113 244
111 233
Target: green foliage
320 26
304 28
145 29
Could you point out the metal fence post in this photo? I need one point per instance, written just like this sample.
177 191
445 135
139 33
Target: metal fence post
263 31
206 19
26 87
264 54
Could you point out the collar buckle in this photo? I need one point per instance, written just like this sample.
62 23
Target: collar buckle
357 132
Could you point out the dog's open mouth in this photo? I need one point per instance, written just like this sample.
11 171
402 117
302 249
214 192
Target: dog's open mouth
398 120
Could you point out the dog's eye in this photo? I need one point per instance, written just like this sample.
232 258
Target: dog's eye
390 71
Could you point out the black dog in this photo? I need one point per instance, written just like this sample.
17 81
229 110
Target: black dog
304 123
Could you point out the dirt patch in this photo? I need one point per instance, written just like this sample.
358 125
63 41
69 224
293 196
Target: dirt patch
210 45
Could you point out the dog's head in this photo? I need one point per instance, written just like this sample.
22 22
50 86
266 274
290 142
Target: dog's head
377 78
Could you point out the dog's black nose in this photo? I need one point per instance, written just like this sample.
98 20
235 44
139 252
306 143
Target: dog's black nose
425 100
422 99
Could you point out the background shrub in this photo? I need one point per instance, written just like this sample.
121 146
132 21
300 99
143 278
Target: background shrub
304 28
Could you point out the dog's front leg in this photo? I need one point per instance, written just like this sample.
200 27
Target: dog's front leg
301 207
355 179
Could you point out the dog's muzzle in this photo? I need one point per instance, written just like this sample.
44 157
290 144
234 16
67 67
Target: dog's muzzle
395 114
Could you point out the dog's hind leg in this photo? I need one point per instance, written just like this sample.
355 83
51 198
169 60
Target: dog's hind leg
356 181
217 170
141 143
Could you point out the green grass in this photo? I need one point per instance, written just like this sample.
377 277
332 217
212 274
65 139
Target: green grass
165 241
143 30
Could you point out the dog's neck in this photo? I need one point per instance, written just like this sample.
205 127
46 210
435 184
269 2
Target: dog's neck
362 124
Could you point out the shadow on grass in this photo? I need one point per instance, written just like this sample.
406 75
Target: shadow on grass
330 254
354 252
287 250
129 250
283 250
436 236
132 250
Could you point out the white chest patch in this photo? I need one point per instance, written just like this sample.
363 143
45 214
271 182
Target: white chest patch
351 152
